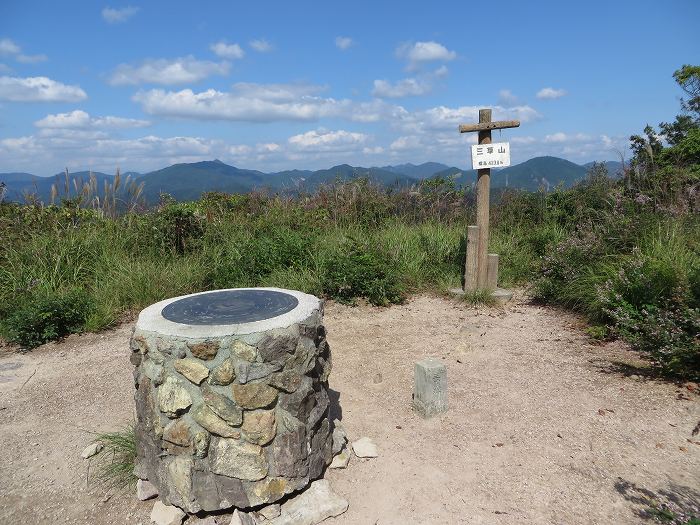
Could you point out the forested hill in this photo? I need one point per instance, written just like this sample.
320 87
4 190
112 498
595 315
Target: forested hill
188 181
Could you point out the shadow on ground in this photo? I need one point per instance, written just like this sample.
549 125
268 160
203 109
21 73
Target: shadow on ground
676 504
336 411
626 369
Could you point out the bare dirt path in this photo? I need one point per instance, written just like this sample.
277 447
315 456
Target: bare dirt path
543 427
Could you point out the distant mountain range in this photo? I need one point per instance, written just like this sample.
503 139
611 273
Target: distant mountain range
189 181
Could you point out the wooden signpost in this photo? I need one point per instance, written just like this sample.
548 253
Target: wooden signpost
481 267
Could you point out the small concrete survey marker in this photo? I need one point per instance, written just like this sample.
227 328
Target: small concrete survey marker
430 387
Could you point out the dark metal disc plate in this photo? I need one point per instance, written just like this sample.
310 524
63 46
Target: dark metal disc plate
229 307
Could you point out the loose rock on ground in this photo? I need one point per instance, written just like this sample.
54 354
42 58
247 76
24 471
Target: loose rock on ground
315 504
91 450
365 448
145 490
166 514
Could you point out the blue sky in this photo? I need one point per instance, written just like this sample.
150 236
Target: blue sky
281 85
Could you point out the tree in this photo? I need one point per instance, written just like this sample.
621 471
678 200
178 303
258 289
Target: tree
688 78
647 149
665 165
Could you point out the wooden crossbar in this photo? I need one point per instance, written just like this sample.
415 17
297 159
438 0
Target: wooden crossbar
483 126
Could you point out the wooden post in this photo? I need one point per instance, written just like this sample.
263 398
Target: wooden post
483 188
470 266
485 265
493 271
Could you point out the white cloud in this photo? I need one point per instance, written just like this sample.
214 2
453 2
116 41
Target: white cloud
276 92
343 42
63 136
550 93
443 118
225 50
576 147
323 140
442 71
507 98
555 137
38 89
405 143
257 103
432 133
376 150
238 150
31 59
8 47
523 140
79 148
268 147
113 15
408 87
48 153
261 45
79 119
403 88
11 49
563 137
419 53
164 71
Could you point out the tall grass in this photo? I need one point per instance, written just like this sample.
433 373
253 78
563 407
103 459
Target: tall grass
115 463
623 260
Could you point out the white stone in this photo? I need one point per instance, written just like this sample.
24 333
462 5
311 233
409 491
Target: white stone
317 503
271 511
209 520
340 438
502 296
341 459
172 397
163 514
365 448
145 490
238 459
191 369
241 518
91 450
430 387
244 351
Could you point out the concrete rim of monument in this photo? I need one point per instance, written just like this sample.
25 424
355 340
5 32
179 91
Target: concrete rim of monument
151 319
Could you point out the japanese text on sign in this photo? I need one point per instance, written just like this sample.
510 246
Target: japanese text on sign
495 155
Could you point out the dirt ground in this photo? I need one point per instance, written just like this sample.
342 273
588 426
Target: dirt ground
543 426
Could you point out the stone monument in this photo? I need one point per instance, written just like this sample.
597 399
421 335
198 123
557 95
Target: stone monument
231 397
430 387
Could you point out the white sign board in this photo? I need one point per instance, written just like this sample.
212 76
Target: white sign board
495 155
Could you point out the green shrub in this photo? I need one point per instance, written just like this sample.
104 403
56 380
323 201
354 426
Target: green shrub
598 332
568 264
669 335
694 287
177 226
647 294
45 318
355 270
248 258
